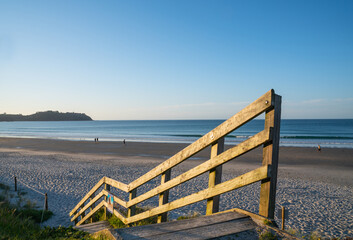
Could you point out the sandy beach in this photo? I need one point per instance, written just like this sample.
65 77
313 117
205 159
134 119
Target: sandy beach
316 187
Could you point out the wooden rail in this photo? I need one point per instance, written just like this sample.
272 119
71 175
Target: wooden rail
269 103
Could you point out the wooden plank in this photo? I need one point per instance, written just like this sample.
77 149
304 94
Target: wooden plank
254 216
248 113
116 184
237 182
101 204
94 227
92 206
208 232
88 195
131 208
270 157
95 199
155 229
215 177
164 196
116 199
224 157
107 188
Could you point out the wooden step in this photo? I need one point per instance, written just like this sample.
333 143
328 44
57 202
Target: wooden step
204 227
94 227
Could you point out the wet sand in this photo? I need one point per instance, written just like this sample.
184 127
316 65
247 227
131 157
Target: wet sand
316 187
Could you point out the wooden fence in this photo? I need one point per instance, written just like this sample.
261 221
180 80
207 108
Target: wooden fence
269 103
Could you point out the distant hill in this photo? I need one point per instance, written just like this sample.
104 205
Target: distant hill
45 116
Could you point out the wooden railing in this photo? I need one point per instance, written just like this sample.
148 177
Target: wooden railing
269 103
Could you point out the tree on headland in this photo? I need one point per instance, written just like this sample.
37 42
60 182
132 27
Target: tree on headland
46 116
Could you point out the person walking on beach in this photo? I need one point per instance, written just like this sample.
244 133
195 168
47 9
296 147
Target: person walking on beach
318 148
124 141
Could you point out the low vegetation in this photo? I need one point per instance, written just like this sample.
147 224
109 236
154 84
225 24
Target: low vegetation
22 221
117 223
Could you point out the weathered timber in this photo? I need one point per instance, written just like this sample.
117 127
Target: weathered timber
224 157
267 174
94 227
107 188
116 184
164 196
237 182
131 208
100 205
270 157
95 199
88 195
92 206
198 228
245 115
215 177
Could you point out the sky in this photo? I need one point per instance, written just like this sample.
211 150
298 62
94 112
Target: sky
128 60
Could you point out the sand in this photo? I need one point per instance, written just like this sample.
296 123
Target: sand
316 187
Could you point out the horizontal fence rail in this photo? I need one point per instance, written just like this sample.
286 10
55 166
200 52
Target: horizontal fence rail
269 103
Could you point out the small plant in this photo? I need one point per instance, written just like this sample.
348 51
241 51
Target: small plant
267 235
314 236
29 204
35 214
267 222
189 216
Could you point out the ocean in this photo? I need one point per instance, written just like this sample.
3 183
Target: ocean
333 133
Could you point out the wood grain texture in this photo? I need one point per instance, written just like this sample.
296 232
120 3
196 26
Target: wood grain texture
100 205
164 196
270 157
237 182
204 227
215 177
267 174
116 184
224 157
245 115
94 227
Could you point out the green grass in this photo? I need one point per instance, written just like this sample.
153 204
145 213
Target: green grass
17 223
117 223
267 235
189 216
4 187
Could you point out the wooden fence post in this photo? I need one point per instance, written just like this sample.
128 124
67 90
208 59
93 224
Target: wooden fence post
164 196
15 184
283 217
270 157
46 202
91 208
106 187
131 211
76 219
215 177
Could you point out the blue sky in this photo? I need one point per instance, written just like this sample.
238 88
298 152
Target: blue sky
176 59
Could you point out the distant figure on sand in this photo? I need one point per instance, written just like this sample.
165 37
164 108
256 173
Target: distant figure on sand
124 141
318 148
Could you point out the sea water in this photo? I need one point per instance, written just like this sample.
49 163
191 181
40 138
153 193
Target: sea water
337 133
